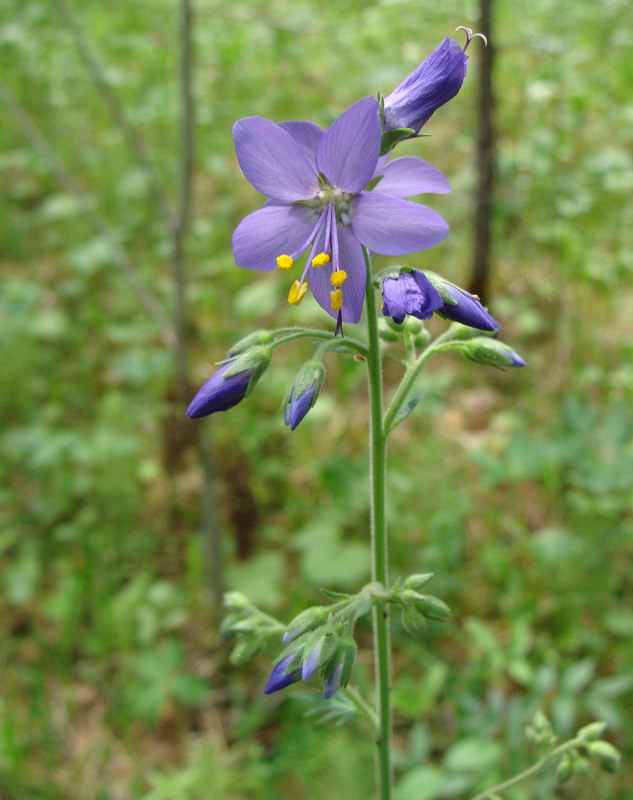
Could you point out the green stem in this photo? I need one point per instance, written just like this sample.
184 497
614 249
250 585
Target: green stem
413 369
533 770
362 706
308 333
382 647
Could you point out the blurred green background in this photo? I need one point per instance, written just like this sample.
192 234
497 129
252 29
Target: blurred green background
513 487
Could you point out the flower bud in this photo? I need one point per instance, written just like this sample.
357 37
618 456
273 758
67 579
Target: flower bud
434 82
565 769
592 731
432 607
304 392
605 754
409 292
231 383
306 621
491 352
386 331
282 675
417 581
461 306
261 337
245 650
339 669
235 601
413 621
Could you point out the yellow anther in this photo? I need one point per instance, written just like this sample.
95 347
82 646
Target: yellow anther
337 299
320 260
297 293
338 278
285 262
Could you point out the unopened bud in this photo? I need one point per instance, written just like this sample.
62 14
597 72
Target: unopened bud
252 340
565 769
605 754
592 731
235 601
306 621
386 330
417 581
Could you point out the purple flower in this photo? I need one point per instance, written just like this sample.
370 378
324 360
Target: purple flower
316 184
461 306
279 679
438 79
409 292
304 393
230 383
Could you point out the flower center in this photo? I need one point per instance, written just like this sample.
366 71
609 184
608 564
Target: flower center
331 196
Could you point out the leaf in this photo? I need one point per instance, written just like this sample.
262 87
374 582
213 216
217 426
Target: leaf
405 410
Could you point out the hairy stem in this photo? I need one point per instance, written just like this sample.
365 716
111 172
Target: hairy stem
382 647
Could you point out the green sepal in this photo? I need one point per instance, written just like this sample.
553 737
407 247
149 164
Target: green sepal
311 372
440 284
391 138
261 337
255 360
335 595
308 620
345 654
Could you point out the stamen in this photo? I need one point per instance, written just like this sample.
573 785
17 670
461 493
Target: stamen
320 260
337 299
297 293
338 278
284 261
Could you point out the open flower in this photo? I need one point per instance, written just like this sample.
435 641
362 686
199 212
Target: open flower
316 182
434 82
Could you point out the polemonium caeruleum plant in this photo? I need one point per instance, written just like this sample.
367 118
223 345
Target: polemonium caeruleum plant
337 196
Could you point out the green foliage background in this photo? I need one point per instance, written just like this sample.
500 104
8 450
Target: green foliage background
514 488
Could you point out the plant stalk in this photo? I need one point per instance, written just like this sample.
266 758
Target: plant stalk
380 574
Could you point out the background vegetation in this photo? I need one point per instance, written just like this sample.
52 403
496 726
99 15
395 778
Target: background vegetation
514 488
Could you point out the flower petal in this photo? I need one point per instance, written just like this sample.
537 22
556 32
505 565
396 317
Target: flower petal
267 233
307 135
349 149
272 161
393 227
409 175
352 260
